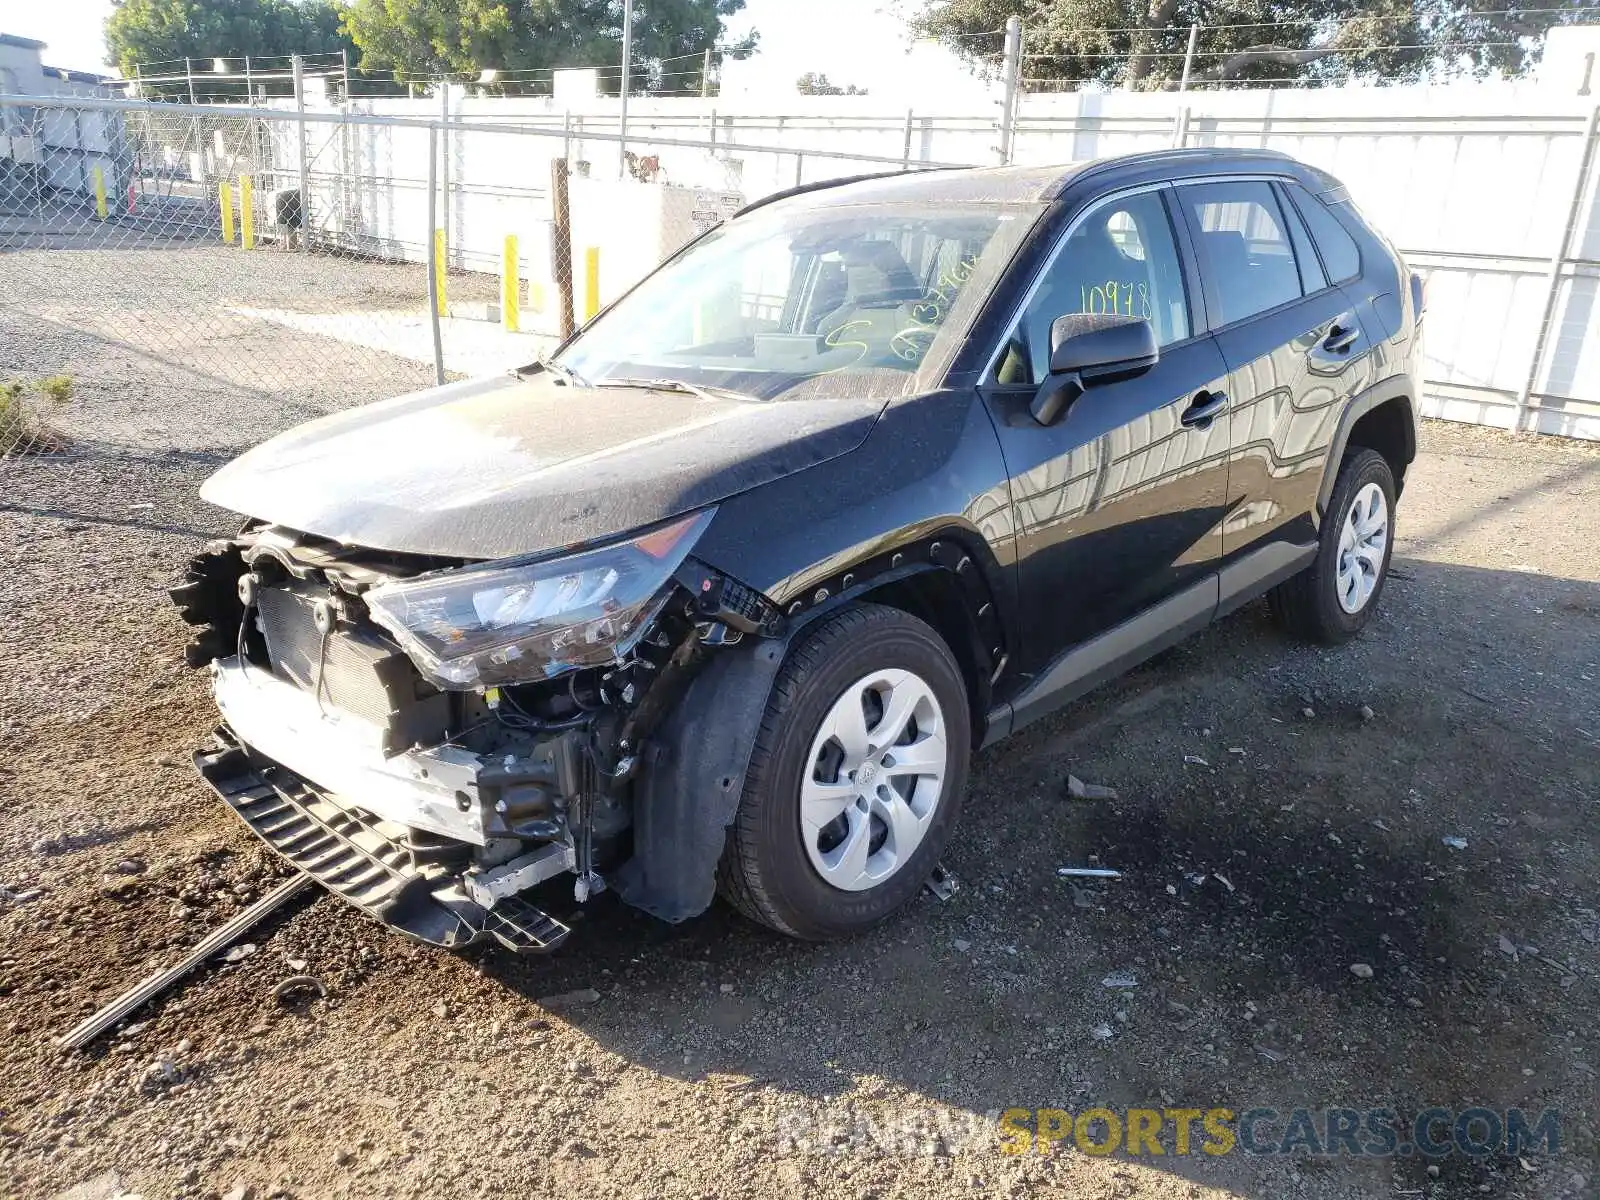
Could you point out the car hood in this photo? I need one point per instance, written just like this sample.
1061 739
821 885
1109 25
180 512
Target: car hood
505 466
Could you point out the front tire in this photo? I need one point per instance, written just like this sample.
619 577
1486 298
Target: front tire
856 777
1333 599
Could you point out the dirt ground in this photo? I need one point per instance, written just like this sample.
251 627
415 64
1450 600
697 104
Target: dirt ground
1271 832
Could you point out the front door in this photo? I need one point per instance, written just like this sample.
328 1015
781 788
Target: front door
1117 504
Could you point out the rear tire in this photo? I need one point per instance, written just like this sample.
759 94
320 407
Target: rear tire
1333 599
856 777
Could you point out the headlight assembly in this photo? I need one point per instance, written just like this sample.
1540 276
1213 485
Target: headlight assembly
515 622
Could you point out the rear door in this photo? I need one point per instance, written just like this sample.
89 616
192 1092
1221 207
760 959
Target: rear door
1118 503
1295 352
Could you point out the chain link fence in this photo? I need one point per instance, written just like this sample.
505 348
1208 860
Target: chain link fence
174 279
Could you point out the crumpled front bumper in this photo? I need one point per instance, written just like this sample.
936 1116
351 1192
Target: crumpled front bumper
352 830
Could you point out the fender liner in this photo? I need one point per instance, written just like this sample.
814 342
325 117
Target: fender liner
1402 387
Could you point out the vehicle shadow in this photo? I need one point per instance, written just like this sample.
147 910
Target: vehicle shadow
1281 816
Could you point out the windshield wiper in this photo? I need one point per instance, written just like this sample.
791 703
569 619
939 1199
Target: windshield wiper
675 385
566 374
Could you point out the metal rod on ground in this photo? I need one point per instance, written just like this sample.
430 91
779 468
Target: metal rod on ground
298 65
1010 70
561 243
627 55
142 993
1188 59
1557 262
433 255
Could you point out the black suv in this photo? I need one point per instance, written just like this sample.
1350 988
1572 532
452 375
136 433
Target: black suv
722 596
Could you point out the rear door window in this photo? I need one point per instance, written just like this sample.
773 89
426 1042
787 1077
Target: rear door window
1245 253
1339 253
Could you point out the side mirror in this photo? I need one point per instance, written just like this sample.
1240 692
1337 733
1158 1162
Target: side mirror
1088 349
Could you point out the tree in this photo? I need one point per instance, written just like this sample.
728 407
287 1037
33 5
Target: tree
1141 43
142 32
813 84
417 38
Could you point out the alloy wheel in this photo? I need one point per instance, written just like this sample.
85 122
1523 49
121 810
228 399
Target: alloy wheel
875 779
1363 541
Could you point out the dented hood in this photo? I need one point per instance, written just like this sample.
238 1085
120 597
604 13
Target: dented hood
504 466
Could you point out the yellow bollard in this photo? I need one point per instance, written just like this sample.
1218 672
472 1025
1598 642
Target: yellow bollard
247 212
591 282
440 261
225 194
100 193
510 286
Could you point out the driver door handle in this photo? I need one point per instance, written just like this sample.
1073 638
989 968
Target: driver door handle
1206 407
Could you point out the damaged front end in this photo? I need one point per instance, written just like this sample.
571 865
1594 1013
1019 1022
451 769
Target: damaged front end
432 739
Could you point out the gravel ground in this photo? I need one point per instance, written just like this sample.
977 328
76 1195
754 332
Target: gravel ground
716 1060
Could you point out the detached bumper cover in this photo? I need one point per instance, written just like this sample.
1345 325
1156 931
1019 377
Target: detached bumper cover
363 860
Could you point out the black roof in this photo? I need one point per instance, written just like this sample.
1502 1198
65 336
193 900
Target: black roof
11 39
1027 185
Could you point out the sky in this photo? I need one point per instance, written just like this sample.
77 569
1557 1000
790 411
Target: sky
851 41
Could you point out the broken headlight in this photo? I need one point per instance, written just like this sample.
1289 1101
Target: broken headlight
514 622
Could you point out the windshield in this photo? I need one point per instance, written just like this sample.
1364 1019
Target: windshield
838 300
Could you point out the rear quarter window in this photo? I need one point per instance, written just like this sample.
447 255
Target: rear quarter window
1338 249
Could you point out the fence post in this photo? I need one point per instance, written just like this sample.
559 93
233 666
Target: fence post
297 64
188 72
249 84
1188 59
905 154
1011 70
627 54
1180 128
705 74
561 243
1557 261
444 150
433 253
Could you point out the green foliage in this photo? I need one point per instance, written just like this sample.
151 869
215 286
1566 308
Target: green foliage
813 84
143 32
56 388
1141 42
429 37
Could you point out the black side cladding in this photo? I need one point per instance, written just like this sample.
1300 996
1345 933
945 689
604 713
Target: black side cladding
688 793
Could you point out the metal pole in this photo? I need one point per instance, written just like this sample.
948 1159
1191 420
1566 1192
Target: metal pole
799 166
1557 261
905 157
344 60
188 73
444 153
1011 70
1188 58
433 254
561 244
627 55
298 65
249 84
705 74
1180 128
566 135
